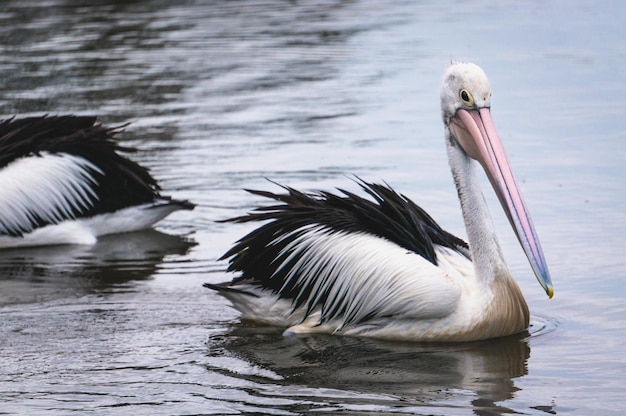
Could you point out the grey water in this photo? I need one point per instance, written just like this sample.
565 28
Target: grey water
224 95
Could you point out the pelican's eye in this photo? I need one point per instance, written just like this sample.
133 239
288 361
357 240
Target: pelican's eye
466 97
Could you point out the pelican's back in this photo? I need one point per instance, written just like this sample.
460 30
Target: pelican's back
318 227
59 168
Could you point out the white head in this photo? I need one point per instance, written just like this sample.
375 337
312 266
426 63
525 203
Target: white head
465 85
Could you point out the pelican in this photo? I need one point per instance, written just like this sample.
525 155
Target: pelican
64 181
381 266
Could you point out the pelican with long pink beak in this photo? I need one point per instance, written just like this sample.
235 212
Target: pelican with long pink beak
381 266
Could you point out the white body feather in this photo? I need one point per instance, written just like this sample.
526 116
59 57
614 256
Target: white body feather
87 230
414 299
48 185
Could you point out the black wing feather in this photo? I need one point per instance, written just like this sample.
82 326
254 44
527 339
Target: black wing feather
121 182
257 256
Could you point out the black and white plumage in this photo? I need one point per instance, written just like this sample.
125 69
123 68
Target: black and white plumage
381 266
63 180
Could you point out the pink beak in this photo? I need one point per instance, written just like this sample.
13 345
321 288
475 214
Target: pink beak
477 135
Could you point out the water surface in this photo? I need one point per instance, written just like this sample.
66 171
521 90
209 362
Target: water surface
225 95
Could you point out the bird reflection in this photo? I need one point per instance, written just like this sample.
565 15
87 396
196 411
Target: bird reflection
480 375
43 273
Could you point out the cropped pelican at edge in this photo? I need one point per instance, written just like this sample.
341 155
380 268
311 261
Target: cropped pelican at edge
63 180
380 266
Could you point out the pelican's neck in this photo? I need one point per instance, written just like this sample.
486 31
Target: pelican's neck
487 255
505 310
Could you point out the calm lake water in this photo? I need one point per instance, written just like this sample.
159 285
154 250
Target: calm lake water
224 95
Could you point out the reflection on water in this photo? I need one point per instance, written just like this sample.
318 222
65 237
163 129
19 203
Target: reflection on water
42 273
403 376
